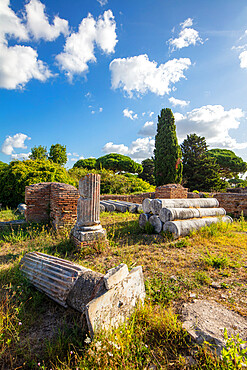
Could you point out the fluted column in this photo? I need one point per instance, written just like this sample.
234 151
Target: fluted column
88 227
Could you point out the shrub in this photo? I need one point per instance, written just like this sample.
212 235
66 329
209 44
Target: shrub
114 183
18 174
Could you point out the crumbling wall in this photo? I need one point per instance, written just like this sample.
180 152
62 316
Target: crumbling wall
171 191
51 201
234 204
37 199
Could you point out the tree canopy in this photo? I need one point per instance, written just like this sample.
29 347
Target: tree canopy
58 154
230 164
18 174
118 163
167 152
200 172
148 171
88 163
38 152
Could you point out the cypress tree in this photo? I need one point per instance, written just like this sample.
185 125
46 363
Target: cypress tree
167 152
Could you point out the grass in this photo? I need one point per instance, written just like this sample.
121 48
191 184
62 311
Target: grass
37 333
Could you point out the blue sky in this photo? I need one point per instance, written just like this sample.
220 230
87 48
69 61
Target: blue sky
94 74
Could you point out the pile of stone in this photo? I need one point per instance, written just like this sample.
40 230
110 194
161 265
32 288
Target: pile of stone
119 206
106 300
181 216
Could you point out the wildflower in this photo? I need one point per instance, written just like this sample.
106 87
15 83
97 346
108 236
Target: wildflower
71 352
87 340
114 345
110 354
38 363
146 345
20 323
98 345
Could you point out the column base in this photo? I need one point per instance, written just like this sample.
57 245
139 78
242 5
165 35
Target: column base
94 235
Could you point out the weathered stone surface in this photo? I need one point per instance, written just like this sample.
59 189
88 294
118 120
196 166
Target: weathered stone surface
115 275
143 219
108 206
170 214
87 227
120 207
13 223
146 205
184 227
112 308
158 204
88 286
102 208
156 223
206 320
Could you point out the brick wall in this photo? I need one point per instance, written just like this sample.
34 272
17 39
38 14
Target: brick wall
171 191
51 201
233 203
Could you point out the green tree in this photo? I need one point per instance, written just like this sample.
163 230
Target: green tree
148 171
58 154
18 174
231 166
200 172
167 153
88 163
38 152
118 163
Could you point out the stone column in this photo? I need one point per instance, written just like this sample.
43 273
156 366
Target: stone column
88 227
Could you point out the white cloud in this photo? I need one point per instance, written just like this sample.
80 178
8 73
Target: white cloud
38 23
20 156
187 23
148 129
181 103
19 64
129 114
10 24
102 2
139 149
243 59
213 122
79 47
16 141
138 74
100 109
76 155
151 114
187 36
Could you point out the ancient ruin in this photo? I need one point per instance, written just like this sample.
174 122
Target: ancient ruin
106 300
88 228
181 216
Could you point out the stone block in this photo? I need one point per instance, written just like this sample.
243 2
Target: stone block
112 308
115 275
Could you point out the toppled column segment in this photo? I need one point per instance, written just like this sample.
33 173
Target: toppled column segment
106 300
181 216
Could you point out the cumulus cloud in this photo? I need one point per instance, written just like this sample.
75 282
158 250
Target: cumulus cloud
20 156
139 149
16 141
213 122
187 36
148 129
138 74
79 46
130 114
38 23
181 103
19 64
243 59
10 24
102 2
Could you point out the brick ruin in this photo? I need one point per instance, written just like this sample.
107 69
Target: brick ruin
51 201
57 202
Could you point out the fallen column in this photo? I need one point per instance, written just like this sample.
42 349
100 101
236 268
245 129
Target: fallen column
120 206
156 223
158 204
146 205
170 214
143 219
108 206
184 227
106 300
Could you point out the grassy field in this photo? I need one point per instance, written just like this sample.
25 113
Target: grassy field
36 333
